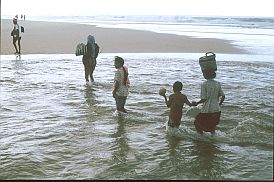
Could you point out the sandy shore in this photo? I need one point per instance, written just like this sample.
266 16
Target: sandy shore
62 38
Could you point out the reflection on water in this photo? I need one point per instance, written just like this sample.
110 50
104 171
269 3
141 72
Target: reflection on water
120 150
121 147
90 97
208 163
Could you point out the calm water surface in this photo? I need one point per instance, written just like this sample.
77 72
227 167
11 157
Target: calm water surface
54 126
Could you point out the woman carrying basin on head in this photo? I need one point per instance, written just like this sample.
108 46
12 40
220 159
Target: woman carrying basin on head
89 58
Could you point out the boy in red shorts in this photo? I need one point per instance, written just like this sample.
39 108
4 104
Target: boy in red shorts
176 103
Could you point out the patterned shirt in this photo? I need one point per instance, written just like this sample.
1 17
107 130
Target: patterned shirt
119 77
211 90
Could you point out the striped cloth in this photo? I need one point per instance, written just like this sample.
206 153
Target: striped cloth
81 49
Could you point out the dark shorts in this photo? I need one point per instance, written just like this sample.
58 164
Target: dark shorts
89 62
120 102
207 121
15 38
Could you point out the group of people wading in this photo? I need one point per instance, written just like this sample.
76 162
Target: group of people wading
212 95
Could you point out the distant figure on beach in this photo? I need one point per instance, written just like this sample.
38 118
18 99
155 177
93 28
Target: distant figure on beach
211 92
16 36
89 58
121 84
176 103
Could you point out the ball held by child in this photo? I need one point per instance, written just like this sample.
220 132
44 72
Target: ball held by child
162 91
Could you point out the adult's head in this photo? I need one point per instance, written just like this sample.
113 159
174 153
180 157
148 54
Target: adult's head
177 86
91 39
91 46
209 74
14 20
118 62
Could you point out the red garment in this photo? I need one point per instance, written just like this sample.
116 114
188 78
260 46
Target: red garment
207 121
126 69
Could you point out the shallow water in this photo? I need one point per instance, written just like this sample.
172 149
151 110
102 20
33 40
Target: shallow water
55 126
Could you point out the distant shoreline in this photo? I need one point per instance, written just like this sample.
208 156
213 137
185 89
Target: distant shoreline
61 38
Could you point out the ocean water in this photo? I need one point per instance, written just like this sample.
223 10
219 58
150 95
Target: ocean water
55 126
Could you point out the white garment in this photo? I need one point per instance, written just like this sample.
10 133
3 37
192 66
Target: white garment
16 26
211 90
122 88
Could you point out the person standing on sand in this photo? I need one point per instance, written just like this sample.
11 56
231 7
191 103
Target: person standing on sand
89 58
121 84
16 36
176 103
211 92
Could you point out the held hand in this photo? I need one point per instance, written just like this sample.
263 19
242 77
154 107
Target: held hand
164 95
194 103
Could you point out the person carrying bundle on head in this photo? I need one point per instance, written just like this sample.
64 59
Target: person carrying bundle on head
89 58
212 97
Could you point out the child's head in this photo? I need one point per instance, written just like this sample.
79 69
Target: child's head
118 62
177 86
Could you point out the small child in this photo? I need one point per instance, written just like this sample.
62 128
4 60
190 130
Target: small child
176 103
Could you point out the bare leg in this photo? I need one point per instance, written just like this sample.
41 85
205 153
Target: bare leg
92 68
91 71
87 70
91 75
19 45
198 129
14 43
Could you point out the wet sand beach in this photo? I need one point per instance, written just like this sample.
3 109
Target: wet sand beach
61 38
